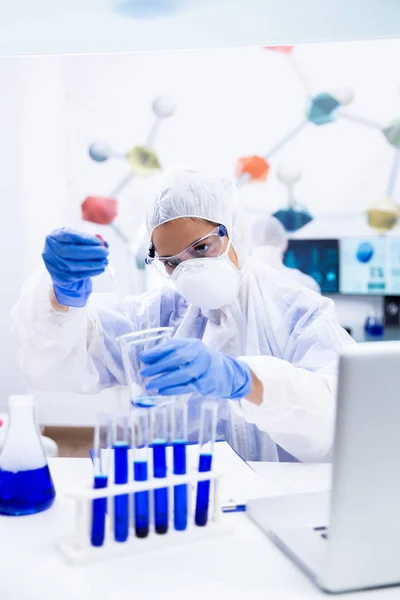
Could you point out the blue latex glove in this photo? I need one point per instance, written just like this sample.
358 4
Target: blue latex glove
185 366
72 258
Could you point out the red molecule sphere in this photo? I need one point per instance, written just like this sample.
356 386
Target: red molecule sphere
282 49
98 209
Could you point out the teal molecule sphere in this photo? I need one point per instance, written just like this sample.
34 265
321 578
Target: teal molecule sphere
322 109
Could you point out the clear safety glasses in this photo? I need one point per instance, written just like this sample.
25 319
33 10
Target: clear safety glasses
209 246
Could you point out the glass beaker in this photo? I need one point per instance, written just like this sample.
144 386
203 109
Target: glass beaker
132 344
26 486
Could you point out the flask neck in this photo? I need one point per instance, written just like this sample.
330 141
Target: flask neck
22 448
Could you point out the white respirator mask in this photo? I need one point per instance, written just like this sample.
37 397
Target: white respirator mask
209 283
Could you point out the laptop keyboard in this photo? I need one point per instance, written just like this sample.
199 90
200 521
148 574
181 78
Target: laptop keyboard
322 530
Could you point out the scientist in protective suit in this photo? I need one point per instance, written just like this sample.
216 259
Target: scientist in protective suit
243 333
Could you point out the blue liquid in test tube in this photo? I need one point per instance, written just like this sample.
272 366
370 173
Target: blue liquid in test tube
179 437
140 443
159 445
101 448
208 428
141 500
99 512
121 503
161 494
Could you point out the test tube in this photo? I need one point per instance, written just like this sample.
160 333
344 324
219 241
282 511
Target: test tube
140 424
207 434
121 502
159 426
179 436
101 447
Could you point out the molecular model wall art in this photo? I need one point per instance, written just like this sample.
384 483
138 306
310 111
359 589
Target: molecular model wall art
322 108
141 161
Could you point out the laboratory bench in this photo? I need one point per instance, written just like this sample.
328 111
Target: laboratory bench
243 564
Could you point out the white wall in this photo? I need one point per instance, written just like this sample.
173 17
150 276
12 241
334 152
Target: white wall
229 103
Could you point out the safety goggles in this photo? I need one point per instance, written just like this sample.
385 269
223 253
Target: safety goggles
209 246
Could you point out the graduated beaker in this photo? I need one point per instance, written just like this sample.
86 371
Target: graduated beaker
132 344
26 486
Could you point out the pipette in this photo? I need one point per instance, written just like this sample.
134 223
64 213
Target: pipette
117 290
140 428
207 435
179 440
121 503
159 445
101 456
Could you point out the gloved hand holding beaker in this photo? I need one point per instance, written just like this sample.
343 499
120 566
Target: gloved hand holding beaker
72 258
184 366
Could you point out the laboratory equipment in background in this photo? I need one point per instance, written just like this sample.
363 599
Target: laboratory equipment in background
392 310
207 436
132 344
168 505
121 438
370 265
26 486
374 326
317 258
101 462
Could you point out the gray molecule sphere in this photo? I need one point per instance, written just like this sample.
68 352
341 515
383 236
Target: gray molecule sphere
163 107
99 152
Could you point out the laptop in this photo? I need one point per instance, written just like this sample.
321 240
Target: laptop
349 539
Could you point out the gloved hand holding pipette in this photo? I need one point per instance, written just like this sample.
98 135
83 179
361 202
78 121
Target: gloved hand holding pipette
72 258
184 366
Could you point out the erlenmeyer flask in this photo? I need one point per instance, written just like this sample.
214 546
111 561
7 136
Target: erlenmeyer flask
26 486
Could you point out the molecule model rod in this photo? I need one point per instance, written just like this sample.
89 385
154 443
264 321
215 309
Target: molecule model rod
361 120
394 173
287 138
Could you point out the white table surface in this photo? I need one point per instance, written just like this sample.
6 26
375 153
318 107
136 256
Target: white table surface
243 565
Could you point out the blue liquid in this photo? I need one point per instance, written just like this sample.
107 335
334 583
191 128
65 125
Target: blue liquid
99 513
180 491
121 503
145 401
160 495
203 492
26 492
141 501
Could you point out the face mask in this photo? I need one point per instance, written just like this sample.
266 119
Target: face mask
209 283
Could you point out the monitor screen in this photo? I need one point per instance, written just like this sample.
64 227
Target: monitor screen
370 266
317 258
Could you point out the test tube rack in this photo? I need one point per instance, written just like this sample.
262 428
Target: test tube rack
77 548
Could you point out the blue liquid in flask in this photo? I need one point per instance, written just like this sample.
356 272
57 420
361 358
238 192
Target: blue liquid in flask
26 492
180 491
160 494
141 500
203 492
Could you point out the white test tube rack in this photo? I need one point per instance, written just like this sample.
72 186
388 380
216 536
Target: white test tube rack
77 549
